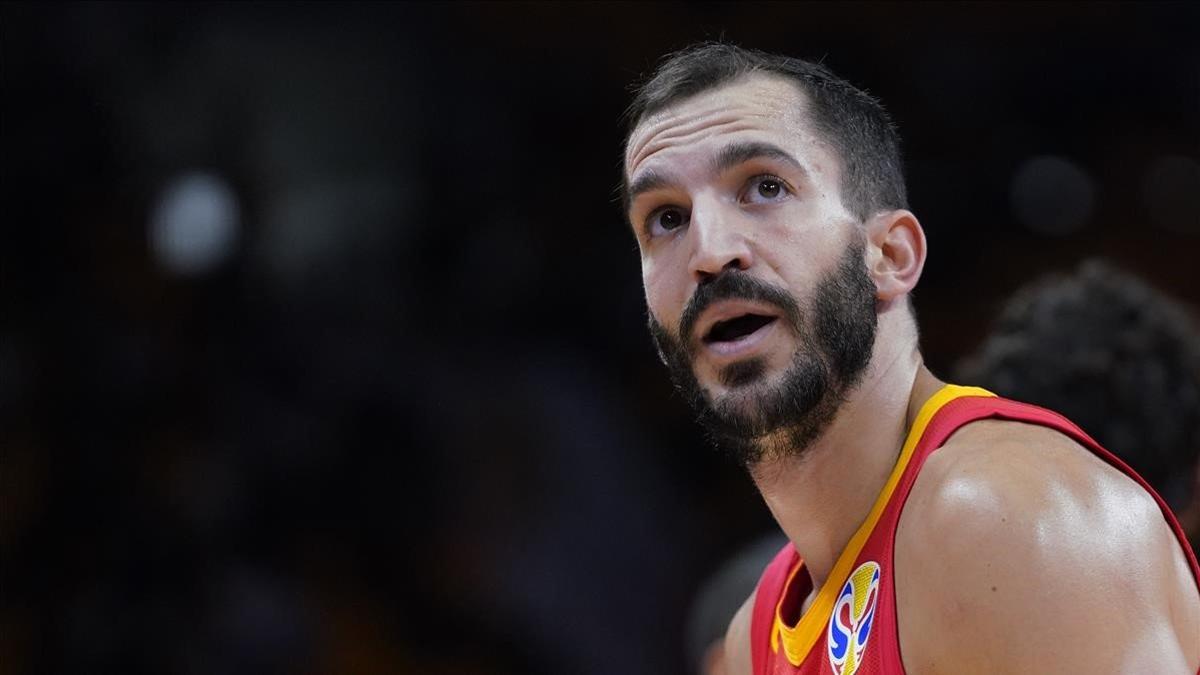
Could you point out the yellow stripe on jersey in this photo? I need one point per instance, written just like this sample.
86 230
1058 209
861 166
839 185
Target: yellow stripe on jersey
798 640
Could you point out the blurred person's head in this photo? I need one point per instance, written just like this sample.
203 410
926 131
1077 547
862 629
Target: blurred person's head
768 201
1112 354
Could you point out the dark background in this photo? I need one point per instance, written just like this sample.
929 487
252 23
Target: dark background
322 346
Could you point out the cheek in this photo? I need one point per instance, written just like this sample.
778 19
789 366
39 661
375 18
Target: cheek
800 255
662 291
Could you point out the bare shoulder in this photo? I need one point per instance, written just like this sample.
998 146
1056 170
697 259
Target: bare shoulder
1015 535
737 640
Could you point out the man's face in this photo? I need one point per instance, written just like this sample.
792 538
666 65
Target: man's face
759 299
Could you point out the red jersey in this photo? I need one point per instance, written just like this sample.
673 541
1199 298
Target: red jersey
850 627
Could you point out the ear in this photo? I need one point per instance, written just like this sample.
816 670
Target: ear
895 253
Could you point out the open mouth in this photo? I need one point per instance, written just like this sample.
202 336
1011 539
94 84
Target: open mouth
737 328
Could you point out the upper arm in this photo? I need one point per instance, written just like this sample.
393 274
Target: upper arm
737 640
1031 555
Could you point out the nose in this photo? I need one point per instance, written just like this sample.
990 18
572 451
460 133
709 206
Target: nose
718 244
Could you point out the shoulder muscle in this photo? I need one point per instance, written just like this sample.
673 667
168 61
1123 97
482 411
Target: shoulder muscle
1015 535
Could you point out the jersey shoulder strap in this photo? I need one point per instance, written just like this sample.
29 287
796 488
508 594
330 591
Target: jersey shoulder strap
962 411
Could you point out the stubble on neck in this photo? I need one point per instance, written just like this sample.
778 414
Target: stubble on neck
821 497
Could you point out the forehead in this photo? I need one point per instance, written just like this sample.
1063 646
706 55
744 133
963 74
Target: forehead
760 106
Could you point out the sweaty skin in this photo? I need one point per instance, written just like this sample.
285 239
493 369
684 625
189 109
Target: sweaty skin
1059 548
1087 576
679 147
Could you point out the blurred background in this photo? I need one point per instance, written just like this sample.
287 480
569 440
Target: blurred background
322 343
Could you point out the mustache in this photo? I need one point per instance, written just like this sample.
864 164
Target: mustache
732 284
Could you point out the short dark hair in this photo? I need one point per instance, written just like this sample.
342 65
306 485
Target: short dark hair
853 121
1115 356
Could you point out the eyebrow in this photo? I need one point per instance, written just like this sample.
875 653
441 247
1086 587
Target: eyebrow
649 181
729 157
737 153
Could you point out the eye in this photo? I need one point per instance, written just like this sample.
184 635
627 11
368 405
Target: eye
765 189
769 189
665 220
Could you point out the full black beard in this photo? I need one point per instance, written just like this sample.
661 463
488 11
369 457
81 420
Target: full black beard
763 422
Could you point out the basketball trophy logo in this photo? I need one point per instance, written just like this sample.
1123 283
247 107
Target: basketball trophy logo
853 615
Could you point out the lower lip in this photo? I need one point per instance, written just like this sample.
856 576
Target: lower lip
743 346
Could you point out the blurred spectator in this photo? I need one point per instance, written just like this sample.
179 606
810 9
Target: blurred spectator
1116 357
719 599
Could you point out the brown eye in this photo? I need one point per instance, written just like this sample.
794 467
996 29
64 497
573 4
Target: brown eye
765 189
666 220
769 188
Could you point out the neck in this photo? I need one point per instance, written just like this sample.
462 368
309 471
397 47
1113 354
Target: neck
822 496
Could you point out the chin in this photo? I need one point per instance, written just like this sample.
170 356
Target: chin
744 393
744 374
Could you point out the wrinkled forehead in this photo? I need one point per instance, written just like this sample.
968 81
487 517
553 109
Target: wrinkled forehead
767 103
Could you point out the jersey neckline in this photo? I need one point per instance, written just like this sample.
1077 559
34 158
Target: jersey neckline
797 641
